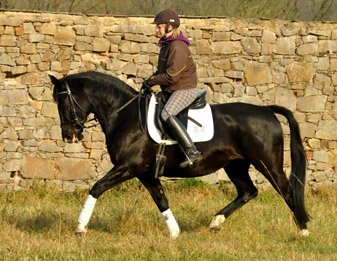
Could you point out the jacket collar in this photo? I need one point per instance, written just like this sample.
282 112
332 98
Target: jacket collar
181 37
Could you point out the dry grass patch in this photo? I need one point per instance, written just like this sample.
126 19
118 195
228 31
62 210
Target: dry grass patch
39 224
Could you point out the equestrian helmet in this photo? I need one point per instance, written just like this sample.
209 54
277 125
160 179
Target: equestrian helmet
167 16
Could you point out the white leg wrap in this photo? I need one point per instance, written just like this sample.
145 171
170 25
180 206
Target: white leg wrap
217 220
86 211
171 223
304 233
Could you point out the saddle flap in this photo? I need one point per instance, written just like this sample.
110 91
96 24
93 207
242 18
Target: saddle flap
200 130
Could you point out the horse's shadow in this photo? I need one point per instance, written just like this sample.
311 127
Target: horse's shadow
32 222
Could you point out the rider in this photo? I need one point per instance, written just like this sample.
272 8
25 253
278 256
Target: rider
176 74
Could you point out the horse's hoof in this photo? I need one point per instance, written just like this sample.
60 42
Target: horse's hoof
81 231
175 234
81 234
215 224
304 233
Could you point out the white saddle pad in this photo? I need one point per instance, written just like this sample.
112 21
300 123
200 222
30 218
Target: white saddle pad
197 134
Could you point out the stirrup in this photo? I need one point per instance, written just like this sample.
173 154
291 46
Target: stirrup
190 159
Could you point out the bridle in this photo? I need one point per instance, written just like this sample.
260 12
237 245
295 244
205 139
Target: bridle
80 125
73 102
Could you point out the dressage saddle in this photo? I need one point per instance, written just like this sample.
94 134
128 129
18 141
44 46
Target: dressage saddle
162 97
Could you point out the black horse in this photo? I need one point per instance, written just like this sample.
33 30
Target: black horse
245 134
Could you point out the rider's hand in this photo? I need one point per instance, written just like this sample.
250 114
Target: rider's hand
146 84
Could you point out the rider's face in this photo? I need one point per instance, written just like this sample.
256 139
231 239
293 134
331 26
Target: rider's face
160 30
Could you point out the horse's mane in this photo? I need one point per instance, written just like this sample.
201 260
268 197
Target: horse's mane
103 82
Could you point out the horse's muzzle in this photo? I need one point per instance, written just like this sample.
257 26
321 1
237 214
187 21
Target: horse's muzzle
72 137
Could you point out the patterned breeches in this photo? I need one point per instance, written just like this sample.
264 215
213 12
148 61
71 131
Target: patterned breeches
178 101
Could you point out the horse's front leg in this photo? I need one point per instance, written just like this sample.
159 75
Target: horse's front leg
155 188
115 176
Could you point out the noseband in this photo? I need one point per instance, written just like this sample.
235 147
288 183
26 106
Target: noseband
75 119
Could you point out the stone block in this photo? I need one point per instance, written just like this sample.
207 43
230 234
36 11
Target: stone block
19 70
136 38
307 49
327 46
307 130
286 98
31 78
314 143
94 30
29 28
250 45
142 59
203 46
11 146
223 64
309 39
74 148
322 79
5 59
221 36
311 103
226 47
36 168
83 46
323 63
327 130
267 49
285 45
210 179
257 73
333 64
10 20
129 68
35 38
49 146
321 156
9 133
234 74
268 37
28 48
96 154
74 169
7 40
300 72
65 38
49 109
320 32
56 133
12 165
101 45
48 28
11 97
48 56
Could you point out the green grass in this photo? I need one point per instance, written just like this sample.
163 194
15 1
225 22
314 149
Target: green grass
39 224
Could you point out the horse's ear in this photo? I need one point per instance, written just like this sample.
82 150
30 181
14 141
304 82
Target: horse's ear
54 80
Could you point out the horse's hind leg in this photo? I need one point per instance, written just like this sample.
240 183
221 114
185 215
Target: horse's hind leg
237 171
155 188
280 183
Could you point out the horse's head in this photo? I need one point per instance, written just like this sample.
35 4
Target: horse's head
73 115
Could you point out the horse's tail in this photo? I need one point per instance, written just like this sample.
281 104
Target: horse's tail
298 164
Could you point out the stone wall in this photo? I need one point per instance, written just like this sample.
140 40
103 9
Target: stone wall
293 64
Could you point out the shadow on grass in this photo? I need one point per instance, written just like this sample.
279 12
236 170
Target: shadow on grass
32 222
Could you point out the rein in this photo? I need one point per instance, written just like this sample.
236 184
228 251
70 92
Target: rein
80 124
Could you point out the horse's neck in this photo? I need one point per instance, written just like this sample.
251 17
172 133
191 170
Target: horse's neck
108 109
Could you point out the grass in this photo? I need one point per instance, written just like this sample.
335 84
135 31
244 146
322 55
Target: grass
39 224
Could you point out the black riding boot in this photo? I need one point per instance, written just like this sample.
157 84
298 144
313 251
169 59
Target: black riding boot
179 132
